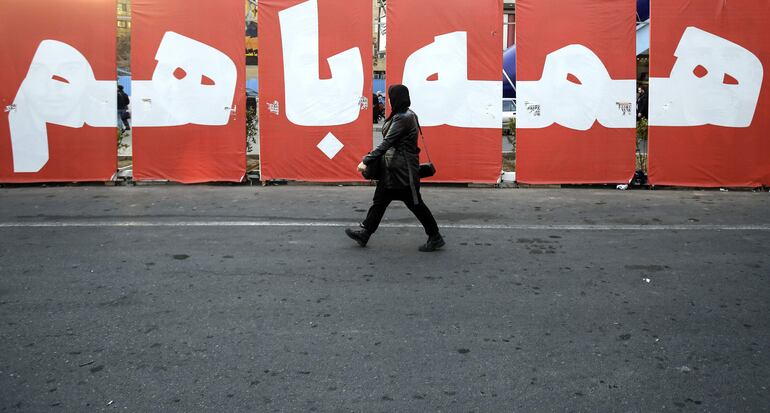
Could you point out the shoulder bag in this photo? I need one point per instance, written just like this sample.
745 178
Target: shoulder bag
426 169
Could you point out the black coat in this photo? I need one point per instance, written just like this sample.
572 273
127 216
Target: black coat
123 100
642 105
401 133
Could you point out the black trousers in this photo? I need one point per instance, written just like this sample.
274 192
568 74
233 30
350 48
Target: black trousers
384 196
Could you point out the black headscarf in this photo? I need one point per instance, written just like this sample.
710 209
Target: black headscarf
399 100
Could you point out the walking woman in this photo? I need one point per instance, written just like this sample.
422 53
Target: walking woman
400 178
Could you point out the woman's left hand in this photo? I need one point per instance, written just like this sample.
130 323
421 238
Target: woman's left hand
361 167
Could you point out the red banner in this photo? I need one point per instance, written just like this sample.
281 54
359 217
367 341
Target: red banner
188 81
451 62
576 91
709 93
58 91
315 88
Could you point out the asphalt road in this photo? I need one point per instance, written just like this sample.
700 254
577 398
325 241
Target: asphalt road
218 298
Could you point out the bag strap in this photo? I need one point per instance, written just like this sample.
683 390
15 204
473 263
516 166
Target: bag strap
424 143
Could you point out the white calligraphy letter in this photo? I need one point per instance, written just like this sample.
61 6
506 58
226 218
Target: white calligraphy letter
311 101
451 99
192 83
60 89
713 82
575 91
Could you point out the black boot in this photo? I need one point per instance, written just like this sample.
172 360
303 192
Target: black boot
361 236
434 242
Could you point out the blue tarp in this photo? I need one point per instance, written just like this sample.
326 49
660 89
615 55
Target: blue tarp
509 72
643 10
252 84
378 85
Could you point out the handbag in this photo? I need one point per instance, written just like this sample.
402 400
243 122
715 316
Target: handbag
388 161
426 169
373 171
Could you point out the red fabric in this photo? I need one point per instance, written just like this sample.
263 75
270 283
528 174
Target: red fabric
711 156
460 154
75 154
287 150
559 155
189 153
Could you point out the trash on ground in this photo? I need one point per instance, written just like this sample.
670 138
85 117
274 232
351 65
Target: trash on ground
508 176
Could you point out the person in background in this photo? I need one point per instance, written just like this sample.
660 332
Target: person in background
377 111
641 104
123 114
401 180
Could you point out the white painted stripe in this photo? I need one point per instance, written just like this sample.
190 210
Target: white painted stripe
510 82
336 224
